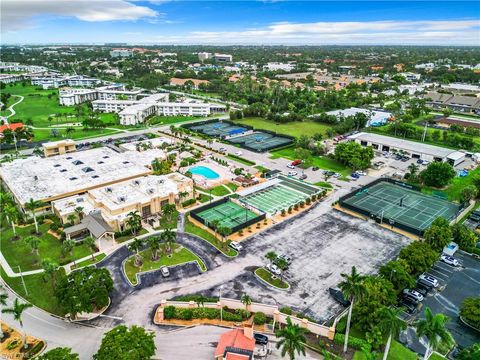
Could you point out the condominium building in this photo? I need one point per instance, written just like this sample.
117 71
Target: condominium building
54 80
15 66
60 147
146 195
10 78
121 53
223 57
72 96
112 105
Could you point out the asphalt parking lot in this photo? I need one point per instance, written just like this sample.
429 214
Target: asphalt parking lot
456 283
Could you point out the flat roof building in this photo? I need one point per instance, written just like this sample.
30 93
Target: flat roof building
414 149
375 117
59 147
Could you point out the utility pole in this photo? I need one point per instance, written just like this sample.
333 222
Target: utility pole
424 132
220 300
23 281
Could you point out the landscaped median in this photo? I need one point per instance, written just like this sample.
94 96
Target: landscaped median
207 236
271 279
89 261
178 255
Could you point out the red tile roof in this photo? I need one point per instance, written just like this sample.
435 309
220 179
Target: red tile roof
12 127
234 338
232 356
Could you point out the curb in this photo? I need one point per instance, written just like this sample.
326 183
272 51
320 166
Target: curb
267 283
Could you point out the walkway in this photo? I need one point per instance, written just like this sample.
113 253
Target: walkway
10 108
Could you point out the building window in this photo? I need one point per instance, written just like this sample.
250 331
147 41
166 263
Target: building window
146 211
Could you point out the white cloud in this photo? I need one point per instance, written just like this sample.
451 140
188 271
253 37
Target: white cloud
20 14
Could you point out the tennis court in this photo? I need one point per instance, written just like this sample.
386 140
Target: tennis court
278 194
228 214
260 141
397 205
218 129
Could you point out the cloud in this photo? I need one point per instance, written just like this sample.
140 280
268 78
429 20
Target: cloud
21 14
460 32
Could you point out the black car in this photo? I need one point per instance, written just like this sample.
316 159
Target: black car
315 168
424 284
408 306
260 339
338 296
410 298
422 289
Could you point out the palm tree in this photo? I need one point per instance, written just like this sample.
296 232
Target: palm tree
271 256
433 328
182 194
154 243
168 211
32 205
134 221
390 324
67 247
33 242
3 302
17 310
214 224
352 287
91 244
135 247
49 268
37 151
292 339
71 218
169 237
246 300
78 210
12 214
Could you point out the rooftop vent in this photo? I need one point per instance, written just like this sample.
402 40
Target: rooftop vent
106 157
56 165
35 177
79 200
161 181
150 191
77 162
63 170
95 176
122 198
108 189
126 162
87 169
100 162
69 158
136 182
73 178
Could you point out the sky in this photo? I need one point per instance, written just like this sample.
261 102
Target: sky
267 22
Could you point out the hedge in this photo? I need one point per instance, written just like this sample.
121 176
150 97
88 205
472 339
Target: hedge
189 202
195 297
172 312
286 310
259 318
353 342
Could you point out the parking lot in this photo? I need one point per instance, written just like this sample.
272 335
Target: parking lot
456 283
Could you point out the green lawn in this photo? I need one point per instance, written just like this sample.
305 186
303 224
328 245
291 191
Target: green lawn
436 357
90 261
268 277
294 128
166 223
18 253
232 186
321 162
324 184
207 236
129 236
168 120
78 134
261 168
397 352
204 198
454 190
180 255
220 191
39 291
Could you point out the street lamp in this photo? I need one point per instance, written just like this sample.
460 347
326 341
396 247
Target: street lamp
220 300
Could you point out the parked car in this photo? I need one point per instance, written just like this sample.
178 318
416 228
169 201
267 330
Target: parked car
235 246
238 153
426 162
410 298
303 176
413 293
260 339
361 172
429 279
336 175
290 166
274 269
223 150
296 162
315 168
355 175
422 289
450 260
287 258
422 284
419 161
409 307
164 271
338 296
292 173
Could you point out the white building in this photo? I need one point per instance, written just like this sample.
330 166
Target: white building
409 76
375 117
462 88
112 105
10 78
223 57
274 66
14 66
71 97
121 53
202 56
54 80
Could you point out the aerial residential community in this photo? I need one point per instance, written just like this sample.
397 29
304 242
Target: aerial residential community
239 180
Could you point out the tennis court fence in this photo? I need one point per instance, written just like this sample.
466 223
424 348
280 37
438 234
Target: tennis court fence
397 224
194 214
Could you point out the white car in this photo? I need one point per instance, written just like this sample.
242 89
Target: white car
290 166
238 153
165 272
362 173
235 246
222 149
414 294
273 269
450 260
429 280
292 173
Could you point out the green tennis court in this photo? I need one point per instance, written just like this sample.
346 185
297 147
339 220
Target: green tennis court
227 214
395 204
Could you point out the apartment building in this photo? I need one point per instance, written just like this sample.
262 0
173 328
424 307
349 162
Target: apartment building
54 80
146 195
10 78
112 105
121 53
458 103
15 66
60 147
223 57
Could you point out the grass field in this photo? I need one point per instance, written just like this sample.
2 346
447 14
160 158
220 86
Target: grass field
240 160
78 134
18 253
321 162
220 191
39 290
181 255
292 128
168 120
454 190
397 352
207 236
89 261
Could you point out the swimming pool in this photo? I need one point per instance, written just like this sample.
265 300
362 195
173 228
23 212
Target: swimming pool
205 172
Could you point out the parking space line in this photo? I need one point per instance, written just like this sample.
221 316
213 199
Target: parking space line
442 270
440 275
447 268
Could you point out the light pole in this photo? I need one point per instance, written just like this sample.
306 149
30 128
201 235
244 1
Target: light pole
23 281
220 301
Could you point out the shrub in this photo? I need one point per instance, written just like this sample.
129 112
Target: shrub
353 342
259 318
286 310
169 312
189 202
470 311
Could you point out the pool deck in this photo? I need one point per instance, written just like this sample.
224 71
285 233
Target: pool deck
225 175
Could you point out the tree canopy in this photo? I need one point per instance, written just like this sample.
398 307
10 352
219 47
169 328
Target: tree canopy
419 256
354 155
59 354
437 174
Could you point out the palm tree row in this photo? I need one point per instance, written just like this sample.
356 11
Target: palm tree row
167 237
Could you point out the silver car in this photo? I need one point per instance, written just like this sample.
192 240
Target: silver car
165 272
414 294
450 260
429 279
